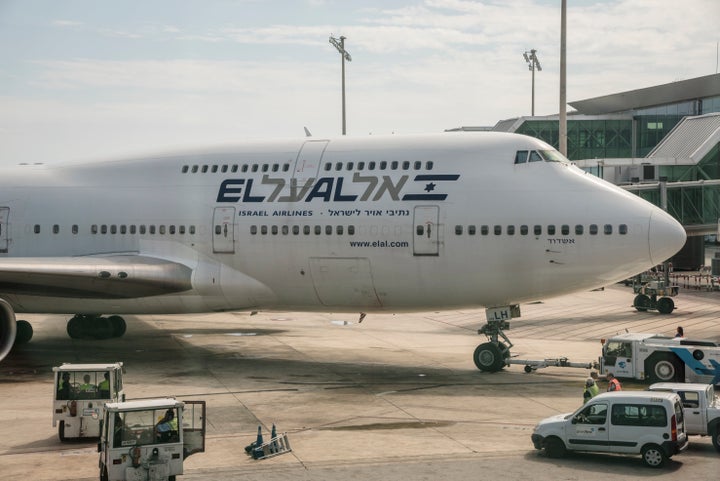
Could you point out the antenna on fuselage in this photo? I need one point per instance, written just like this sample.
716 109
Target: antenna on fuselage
307 132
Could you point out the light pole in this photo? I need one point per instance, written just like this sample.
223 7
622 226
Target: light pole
344 55
533 63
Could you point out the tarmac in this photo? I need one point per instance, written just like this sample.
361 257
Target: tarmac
396 397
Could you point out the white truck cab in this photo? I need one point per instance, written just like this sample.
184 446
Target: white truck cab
646 423
149 439
81 391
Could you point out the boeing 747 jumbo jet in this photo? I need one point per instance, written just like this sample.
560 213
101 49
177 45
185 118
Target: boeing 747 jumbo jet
391 223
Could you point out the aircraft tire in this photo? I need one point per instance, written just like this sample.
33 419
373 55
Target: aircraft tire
24 332
119 326
488 357
102 328
665 305
75 328
642 303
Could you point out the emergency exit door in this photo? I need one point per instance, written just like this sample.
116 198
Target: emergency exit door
426 230
224 230
308 161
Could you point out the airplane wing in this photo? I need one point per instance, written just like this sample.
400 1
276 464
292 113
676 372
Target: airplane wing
95 277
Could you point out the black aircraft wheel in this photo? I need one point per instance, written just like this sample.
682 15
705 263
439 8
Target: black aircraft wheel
102 328
24 332
118 325
489 357
642 302
665 305
75 328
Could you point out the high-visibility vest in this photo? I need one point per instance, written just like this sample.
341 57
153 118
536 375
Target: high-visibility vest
614 385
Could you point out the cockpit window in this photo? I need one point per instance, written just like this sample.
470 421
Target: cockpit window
535 157
521 156
553 156
524 156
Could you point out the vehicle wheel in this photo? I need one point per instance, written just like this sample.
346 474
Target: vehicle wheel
642 302
61 432
118 325
653 456
488 357
171 478
664 368
665 305
716 438
554 447
24 332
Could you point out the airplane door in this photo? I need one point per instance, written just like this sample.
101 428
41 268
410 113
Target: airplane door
224 230
308 161
4 214
426 230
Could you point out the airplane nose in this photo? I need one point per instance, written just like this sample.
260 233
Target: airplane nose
666 236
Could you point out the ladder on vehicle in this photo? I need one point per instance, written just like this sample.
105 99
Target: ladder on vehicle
276 446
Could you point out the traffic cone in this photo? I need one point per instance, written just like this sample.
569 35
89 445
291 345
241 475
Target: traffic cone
257 451
273 435
258 442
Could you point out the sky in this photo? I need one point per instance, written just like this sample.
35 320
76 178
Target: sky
100 79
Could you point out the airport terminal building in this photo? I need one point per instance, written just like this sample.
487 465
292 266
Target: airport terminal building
637 138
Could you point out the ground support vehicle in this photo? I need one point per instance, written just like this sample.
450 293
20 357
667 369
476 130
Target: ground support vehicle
655 295
700 405
149 439
81 391
640 422
658 358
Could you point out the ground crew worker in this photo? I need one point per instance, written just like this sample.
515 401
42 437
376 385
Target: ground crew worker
104 386
591 388
87 386
166 427
64 386
613 383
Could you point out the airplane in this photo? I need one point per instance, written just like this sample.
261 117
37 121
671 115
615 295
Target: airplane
351 224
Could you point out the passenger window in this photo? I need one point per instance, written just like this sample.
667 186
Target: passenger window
133 229
263 230
306 230
36 229
296 230
484 230
181 230
224 168
285 230
471 229
56 229
394 165
234 168
204 169
537 229
622 229
418 165
578 229
192 230
275 167
419 230
123 229
338 166
75 229
185 169
523 230
638 415
103 229
593 229
171 229
551 230
265 167
244 168
162 230
318 230
152 229
328 230
371 165
535 157
429 165
339 230
350 166
253 230
406 165
194 169
254 168
113 229
497 229
565 229
143 229
458 230
383 165
511 230
214 169
274 230
607 229
351 230
521 156
361 165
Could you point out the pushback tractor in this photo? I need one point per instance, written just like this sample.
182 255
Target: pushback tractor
81 391
149 439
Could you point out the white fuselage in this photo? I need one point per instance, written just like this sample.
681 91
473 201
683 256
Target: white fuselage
395 223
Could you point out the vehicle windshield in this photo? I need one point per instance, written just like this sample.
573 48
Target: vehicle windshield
151 426
553 156
83 385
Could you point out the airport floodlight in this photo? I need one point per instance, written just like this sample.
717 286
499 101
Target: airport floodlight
344 55
533 64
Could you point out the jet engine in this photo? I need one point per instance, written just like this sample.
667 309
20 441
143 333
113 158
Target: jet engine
8 328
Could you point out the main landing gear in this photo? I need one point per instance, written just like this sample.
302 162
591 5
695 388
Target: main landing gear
493 355
93 326
24 332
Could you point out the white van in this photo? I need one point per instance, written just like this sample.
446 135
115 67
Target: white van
641 422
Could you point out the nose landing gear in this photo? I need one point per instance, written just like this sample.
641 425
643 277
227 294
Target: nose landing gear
492 356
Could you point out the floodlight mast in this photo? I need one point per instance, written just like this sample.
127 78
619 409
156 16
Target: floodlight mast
533 64
344 55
